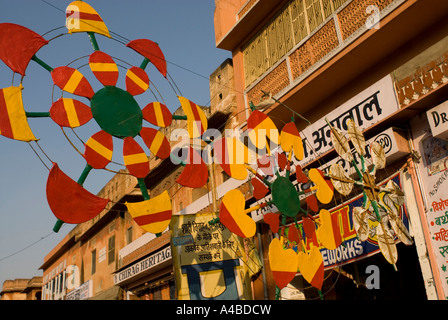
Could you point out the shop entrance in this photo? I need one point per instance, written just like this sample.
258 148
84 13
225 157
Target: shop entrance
350 282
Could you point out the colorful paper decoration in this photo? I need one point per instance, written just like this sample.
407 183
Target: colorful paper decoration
196 120
115 110
260 127
13 121
69 201
137 81
324 187
70 113
329 233
135 158
233 215
99 150
16 51
158 114
381 209
195 173
151 51
81 17
72 81
156 142
311 266
283 263
233 156
153 215
273 220
104 68
291 140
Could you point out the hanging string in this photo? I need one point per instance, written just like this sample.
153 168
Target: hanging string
37 154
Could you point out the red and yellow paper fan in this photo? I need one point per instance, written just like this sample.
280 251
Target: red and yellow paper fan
115 110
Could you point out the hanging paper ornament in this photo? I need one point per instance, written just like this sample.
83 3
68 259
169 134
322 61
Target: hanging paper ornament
72 81
99 150
260 190
233 156
151 51
18 45
156 142
195 172
13 121
70 113
273 220
153 215
196 120
324 188
69 201
328 232
158 114
341 182
311 266
104 68
381 204
137 81
81 17
233 215
290 140
260 127
283 263
135 159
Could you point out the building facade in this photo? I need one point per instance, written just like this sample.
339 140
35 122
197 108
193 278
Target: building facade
381 63
22 289
81 265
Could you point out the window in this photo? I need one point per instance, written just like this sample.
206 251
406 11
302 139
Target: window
93 261
111 250
129 235
292 24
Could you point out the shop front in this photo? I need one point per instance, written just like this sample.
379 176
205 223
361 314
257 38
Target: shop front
147 276
357 269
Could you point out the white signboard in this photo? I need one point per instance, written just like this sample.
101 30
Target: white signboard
83 292
438 120
143 265
367 108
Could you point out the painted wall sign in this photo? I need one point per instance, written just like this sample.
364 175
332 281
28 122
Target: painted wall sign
434 176
143 265
210 263
438 120
367 108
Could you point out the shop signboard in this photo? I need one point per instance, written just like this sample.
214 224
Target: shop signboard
366 108
352 249
142 266
210 262
83 292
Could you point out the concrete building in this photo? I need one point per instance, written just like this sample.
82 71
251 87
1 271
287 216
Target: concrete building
22 289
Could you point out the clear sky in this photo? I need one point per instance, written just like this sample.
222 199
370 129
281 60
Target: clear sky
184 31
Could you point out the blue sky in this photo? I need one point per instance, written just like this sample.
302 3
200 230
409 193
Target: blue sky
184 31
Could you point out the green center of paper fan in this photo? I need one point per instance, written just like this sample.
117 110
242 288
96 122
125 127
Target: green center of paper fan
285 197
116 112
